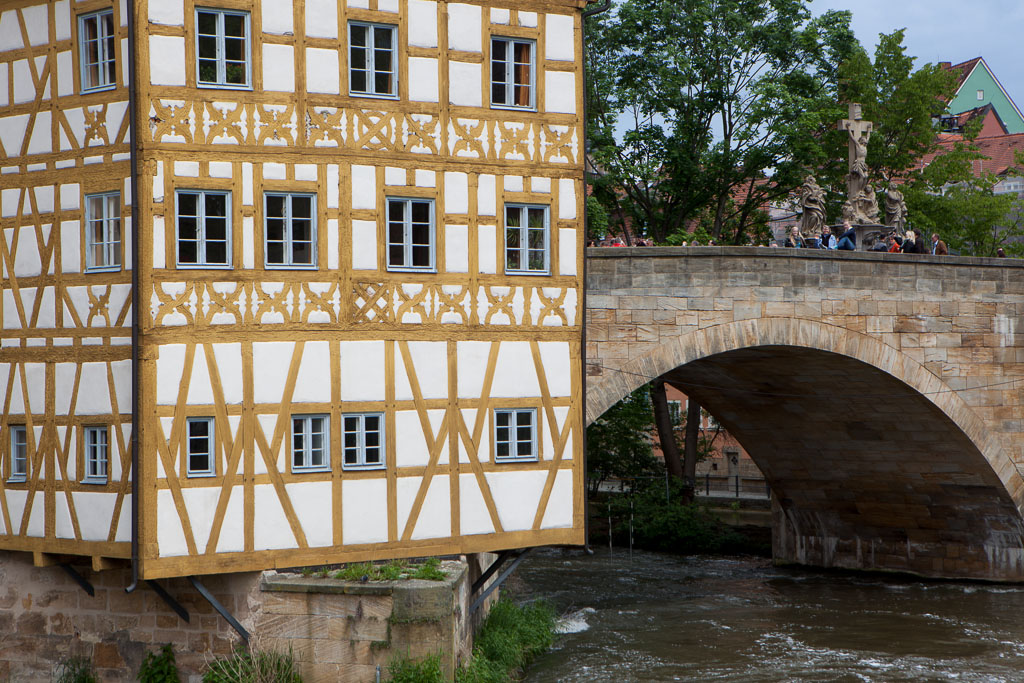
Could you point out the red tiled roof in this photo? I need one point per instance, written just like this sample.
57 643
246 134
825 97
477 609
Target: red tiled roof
999 149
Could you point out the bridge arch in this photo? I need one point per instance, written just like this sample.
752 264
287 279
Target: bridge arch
910 478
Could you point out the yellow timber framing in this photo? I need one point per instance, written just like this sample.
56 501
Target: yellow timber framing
59 319
399 134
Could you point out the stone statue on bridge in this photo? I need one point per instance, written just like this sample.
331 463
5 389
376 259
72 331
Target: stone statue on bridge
812 204
895 209
861 205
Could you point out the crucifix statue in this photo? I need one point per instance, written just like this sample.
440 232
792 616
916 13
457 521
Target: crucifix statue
860 207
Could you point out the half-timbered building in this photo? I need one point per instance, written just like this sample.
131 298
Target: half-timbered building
303 277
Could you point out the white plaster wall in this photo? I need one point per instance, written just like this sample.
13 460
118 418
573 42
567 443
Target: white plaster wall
232 530
559 37
322 75
26 258
169 362
62 19
333 186
486 246
464 27
362 371
464 88
411 443
322 18
423 83
169 12
65 74
426 178
229 367
567 251
473 515
434 520
278 65
273 360
456 192
12 136
472 365
16 506
277 16
422 23
332 243
170 536
560 92
200 387
515 374
312 503
270 525
169 67
36 24
364 245
516 496
93 392
364 187
40 140
430 367
10 31
456 255
24 87
528 19
201 503
313 383
221 169
558 514
395 176
364 511
567 198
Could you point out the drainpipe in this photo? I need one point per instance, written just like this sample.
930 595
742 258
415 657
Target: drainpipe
133 129
583 296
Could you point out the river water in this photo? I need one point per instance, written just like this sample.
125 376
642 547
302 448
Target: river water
665 618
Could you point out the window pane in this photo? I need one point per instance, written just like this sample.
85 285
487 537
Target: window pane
372 456
216 229
535 239
396 255
207 47
302 207
302 254
536 218
207 23
275 253
499 49
373 423
382 83
382 37
421 212
382 61
358 35
275 230
216 204
216 253
513 217
207 71
234 49
187 204
358 58
420 234
187 229
301 230
188 252
234 25
421 257
502 449
358 81
396 210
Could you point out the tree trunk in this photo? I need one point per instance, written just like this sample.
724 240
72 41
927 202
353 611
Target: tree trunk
666 435
690 446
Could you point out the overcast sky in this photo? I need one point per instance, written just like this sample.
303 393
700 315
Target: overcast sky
946 31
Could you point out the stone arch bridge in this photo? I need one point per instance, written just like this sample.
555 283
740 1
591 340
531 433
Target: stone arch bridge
881 394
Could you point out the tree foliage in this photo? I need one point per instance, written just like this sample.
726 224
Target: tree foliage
710 108
619 442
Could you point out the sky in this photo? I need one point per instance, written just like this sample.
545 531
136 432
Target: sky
946 31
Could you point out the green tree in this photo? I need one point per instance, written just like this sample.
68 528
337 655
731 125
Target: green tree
724 104
619 442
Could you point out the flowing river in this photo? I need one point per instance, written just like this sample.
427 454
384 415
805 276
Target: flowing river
658 617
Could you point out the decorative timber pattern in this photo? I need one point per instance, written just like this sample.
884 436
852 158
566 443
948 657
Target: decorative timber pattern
65 354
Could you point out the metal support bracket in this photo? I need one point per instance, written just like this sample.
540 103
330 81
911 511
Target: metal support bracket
489 572
220 609
79 579
166 597
497 582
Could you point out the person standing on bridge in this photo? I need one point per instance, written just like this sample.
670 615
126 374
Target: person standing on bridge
938 246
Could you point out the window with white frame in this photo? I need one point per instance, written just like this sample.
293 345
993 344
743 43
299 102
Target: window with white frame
222 48
372 51
103 231
96 50
981 95
19 453
515 434
290 230
512 73
204 228
362 440
526 239
410 234
96 455
200 460
675 413
309 442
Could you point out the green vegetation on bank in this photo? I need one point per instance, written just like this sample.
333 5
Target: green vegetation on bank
510 638
255 666
664 524
394 570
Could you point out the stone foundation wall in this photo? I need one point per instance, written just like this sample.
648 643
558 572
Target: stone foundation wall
337 631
